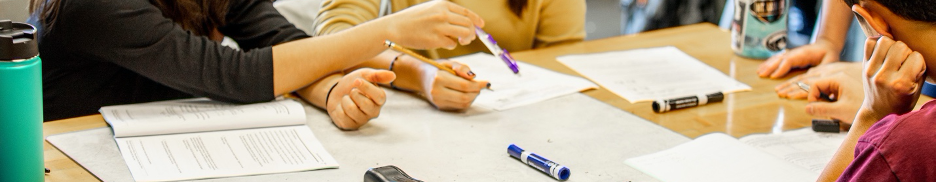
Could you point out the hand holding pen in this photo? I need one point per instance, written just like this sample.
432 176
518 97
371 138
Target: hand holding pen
842 88
455 89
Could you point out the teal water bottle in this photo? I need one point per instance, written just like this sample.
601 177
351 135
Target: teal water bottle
759 27
20 104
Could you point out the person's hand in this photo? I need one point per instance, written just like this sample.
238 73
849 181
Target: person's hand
848 94
805 56
355 99
433 24
450 92
791 90
893 76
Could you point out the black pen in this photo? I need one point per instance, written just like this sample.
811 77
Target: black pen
47 171
822 96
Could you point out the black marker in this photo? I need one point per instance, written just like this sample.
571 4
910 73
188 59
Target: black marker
660 106
826 125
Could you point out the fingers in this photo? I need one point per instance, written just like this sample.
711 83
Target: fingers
869 48
352 111
911 74
828 109
463 28
461 70
782 69
830 86
374 94
915 65
879 52
367 105
342 120
767 68
896 56
475 19
789 83
447 99
453 82
793 92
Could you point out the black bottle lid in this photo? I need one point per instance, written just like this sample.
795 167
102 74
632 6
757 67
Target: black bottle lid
17 41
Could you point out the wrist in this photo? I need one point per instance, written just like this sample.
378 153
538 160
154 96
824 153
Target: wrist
864 119
328 94
409 74
314 93
393 62
867 116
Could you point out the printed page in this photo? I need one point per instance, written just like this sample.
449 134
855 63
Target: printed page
804 147
200 114
533 84
224 153
654 73
718 157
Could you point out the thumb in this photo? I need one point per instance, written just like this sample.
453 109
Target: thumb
379 76
824 109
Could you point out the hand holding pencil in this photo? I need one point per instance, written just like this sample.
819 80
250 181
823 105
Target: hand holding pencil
453 91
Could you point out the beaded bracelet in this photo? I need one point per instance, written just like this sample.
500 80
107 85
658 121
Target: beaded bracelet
393 62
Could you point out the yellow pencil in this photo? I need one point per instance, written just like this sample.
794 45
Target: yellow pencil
417 56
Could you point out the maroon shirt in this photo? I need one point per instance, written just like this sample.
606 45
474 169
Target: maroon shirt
897 148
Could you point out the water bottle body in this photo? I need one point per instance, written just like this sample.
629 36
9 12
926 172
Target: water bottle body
759 28
20 104
21 120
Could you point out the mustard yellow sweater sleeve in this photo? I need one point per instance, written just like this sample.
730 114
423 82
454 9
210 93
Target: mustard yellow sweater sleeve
543 22
337 15
561 21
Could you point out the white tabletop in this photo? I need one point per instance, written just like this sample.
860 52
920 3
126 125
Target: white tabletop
590 137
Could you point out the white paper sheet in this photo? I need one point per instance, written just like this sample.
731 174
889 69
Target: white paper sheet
718 157
200 114
532 85
654 73
803 147
224 153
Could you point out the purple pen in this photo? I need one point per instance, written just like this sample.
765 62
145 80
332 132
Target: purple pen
491 44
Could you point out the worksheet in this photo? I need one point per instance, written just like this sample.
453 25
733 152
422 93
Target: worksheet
508 90
225 153
651 74
199 138
798 155
804 147
199 114
718 157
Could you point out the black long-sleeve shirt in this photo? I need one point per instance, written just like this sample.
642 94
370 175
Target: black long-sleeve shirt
109 52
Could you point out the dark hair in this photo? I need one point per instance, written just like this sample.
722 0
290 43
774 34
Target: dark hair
517 7
48 11
917 10
201 17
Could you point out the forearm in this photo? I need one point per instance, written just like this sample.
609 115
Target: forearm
317 92
835 18
846 153
298 63
406 69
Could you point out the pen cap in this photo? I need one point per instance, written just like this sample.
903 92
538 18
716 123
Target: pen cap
715 97
20 104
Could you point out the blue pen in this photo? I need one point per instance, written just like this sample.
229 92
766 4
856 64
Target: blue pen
496 50
555 170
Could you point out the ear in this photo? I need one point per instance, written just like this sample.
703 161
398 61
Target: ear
876 22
